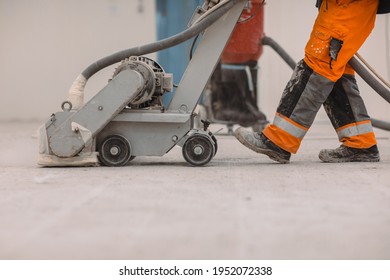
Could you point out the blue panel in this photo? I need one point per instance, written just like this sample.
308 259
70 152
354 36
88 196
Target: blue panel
172 18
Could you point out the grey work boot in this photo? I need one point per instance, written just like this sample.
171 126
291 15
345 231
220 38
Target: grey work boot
260 144
347 154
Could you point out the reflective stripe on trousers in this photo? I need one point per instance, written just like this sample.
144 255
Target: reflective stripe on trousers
348 115
358 135
285 133
288 135
301 100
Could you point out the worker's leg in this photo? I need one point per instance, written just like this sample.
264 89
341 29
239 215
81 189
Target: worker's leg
348 114
302 98
348 22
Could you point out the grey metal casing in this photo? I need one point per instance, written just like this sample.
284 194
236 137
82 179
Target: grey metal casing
151 132
154 133
71 136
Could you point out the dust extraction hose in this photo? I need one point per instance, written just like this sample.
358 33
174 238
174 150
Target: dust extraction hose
76 92
370 79
359 68
267 41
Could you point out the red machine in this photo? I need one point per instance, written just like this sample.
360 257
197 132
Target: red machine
245 43
231 95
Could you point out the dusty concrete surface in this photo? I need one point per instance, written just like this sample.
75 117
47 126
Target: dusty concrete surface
240 206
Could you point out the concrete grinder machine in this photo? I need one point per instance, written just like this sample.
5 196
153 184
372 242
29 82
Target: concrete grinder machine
127 118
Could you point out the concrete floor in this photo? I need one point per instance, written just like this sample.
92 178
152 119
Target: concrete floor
240 206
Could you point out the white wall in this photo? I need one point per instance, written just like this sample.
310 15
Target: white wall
45 44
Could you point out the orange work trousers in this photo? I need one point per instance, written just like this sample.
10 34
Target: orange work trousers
350 21
327 80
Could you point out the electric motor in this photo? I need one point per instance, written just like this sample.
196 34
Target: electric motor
157 82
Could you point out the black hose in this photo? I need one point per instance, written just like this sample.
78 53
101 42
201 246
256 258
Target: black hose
370 79
380 124
267 41
159 45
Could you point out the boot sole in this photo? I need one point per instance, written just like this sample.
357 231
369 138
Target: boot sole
360 158
267 152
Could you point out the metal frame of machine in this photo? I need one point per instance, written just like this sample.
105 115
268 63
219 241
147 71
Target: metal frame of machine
126 119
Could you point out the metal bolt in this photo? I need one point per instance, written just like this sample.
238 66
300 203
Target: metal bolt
198 150
175 138
183 108
114 151
100 108
66 106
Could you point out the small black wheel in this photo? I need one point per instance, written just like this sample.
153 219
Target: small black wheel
198 150
115 150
